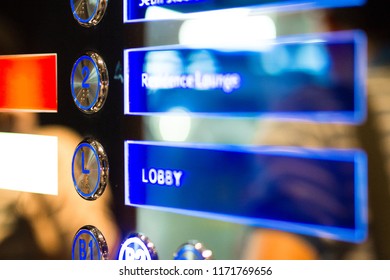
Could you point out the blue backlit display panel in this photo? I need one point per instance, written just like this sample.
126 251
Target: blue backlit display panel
316 192
137 10
316 77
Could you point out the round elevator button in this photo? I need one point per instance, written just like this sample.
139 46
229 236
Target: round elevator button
89 83
137 247
88 13
89 244
193 250
90 169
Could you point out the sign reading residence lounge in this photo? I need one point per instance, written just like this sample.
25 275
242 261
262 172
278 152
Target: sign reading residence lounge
295 77
198 81
317 192
136 10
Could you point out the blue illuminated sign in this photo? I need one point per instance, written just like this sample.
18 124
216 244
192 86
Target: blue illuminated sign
316 77
137 10
316 192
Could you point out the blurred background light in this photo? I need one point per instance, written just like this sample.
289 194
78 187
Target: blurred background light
175 126
29 163
312 58
232 29
155 13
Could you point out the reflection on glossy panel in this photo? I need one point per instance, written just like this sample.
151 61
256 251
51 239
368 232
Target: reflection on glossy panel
29 163
28 83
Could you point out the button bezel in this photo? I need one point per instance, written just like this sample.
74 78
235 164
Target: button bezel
196 249
96 16
140 240
102 169
98 240
99 73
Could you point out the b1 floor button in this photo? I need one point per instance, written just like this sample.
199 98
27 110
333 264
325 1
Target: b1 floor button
90 169
137 247
89 244
193 250
89 83
88 13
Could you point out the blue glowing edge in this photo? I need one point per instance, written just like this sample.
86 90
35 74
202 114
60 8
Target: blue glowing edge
356 235
132 12
357 116
78 189
76 238
93 103
79 18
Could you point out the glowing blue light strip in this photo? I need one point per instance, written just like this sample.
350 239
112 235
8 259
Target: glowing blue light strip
255 186
333 97
135 10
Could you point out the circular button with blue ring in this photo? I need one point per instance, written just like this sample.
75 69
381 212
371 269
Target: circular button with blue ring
89 83
137 247
90 169
193 250
89 244
88 13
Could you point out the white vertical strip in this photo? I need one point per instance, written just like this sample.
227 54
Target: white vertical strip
29 163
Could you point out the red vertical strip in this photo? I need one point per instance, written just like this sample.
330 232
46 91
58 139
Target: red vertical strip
28 83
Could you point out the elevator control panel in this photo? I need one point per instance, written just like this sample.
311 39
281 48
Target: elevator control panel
128 75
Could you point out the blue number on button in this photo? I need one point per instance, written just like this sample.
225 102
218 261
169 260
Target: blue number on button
84 171
85 72
83 250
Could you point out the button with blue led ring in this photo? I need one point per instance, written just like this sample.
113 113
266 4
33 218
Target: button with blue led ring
193 250
88 13
89 244
137 247
89 82
90 169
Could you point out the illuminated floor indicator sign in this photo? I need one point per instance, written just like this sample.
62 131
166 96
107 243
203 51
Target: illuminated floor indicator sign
315 192
323 79
137 10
